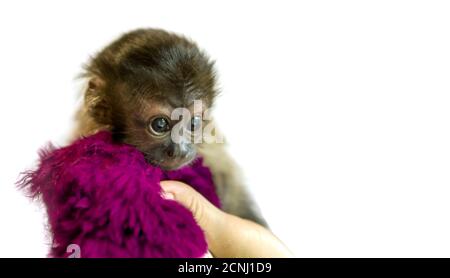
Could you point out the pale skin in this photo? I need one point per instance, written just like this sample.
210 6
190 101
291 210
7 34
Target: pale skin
228 236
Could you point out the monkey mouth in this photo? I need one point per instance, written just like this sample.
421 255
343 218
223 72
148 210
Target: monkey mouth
170 164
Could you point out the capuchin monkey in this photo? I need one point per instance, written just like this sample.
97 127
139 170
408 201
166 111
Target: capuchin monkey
133 86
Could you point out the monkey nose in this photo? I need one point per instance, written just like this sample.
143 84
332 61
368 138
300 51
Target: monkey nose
176 150
170 152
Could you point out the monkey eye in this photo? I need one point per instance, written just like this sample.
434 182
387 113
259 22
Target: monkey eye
196 122
159 125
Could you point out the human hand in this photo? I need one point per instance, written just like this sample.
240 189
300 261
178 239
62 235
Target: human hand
227 235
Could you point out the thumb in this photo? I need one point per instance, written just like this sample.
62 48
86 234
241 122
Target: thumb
205 213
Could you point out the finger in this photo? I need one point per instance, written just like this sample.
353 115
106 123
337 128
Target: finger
200 207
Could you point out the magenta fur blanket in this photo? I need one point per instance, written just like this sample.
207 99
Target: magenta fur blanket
105 198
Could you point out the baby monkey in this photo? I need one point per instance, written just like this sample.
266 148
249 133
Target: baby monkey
133 87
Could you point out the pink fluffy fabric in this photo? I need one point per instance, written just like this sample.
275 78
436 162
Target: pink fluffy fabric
106 198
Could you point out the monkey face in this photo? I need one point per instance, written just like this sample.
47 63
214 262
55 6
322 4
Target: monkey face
164 136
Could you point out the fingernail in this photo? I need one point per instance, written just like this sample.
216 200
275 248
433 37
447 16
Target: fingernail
167 195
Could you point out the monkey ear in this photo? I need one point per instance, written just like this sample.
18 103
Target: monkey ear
95 101
95 84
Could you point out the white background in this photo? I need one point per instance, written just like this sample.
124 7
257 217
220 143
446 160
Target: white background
337 111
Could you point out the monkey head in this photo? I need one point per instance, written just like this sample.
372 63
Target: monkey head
137 85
